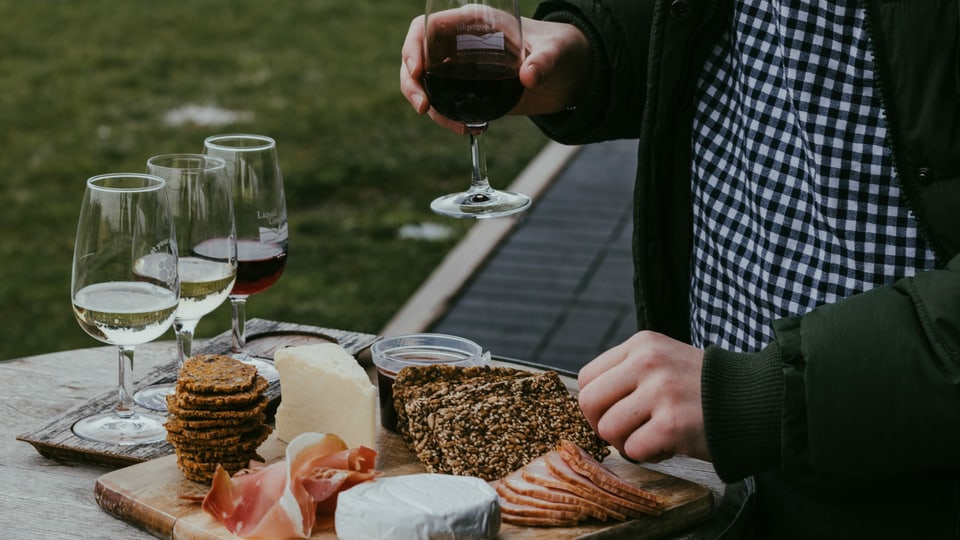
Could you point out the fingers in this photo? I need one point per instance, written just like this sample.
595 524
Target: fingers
643 397
411 67
601 364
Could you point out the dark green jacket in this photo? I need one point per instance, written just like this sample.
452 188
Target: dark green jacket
850 419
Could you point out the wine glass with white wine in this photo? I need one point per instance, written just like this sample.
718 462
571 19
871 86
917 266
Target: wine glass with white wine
123 218
202 208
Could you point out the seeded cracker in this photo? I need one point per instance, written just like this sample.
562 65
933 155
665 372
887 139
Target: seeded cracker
223 401
487 422
216 416
257 408
209 373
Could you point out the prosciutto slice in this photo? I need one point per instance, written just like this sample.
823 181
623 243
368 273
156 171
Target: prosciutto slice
285 499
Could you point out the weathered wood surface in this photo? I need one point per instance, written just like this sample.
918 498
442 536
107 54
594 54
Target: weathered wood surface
52 498
55 439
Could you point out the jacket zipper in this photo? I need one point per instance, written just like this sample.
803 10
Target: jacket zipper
892 138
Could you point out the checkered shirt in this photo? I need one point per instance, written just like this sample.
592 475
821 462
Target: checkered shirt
794 192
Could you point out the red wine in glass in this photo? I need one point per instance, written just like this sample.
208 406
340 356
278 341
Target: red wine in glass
472 93
474 50
260 212
258 266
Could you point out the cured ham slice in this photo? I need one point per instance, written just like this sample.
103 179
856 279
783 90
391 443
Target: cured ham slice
586 465
545 491
574 480
524 502
284 499
517 484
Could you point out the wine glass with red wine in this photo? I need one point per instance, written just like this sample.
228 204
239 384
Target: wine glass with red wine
260 214
473 51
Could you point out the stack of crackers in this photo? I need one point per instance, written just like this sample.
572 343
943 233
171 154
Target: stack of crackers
216 417
487 421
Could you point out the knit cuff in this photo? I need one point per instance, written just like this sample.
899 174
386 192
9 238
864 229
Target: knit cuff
742 409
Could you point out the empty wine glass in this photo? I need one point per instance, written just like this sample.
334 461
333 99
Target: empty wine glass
123 218
260 214
473 51
202 208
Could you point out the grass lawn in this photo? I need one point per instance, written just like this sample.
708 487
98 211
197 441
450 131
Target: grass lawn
88 86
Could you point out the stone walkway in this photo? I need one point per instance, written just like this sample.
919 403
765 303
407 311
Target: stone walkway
557 290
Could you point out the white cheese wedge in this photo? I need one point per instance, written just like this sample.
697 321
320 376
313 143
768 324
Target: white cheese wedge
324 390
415 506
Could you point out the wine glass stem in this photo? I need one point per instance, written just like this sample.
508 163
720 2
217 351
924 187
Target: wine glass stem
184 330
125 388
238 305
479 183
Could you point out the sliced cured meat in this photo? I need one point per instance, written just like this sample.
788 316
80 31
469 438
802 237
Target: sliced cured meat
516 483
551 490
289 498
523 510
538 472
526 521
603 477
584 487
511 497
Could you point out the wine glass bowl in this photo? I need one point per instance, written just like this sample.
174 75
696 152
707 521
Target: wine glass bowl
202 209
260 214
473 51
124 217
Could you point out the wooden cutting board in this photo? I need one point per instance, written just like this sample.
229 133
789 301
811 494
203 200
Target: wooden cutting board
149 495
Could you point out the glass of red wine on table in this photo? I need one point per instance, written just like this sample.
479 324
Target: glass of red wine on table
260 214
473 51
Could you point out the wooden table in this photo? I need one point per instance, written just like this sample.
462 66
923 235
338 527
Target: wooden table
53 498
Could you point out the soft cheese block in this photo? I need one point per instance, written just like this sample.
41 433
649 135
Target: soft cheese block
324 390
415 506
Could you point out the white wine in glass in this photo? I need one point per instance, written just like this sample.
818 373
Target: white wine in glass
473 51
124 217
202 208
260 214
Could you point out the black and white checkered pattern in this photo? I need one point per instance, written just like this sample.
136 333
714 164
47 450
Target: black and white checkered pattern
795 198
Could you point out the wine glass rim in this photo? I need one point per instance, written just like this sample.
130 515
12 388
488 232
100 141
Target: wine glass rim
216 141
206 162
150 182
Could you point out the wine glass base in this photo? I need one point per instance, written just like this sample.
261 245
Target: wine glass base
264 366
109 428
154 397
480 204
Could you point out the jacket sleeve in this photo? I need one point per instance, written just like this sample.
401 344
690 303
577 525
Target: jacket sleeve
619 35
869 385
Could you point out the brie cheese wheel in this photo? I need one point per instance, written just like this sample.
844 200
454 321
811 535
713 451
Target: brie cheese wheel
324 390
415 506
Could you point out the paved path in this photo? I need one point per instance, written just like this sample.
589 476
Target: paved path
557 289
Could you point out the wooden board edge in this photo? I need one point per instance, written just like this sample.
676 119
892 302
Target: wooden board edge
116 502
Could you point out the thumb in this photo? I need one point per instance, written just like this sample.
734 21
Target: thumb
535 69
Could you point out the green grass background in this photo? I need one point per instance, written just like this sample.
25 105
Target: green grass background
85 86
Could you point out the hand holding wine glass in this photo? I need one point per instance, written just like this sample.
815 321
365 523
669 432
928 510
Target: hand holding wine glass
202 208
123 218
260 214
473 51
